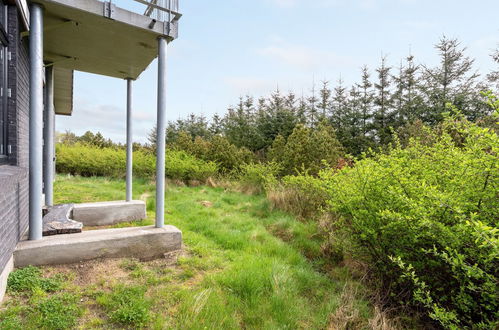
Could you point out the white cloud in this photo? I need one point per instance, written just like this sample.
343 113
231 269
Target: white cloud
249 85
303 57
110 120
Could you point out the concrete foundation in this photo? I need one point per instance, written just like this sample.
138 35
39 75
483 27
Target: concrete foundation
137 242
4 276
109 213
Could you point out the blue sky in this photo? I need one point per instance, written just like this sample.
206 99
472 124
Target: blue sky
232 48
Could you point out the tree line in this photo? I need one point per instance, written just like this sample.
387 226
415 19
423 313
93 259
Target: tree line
364 115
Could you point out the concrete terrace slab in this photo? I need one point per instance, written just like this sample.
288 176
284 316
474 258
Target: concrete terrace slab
109 213
138 242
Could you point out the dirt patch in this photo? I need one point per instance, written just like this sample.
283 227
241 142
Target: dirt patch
103 271
206 203
145 196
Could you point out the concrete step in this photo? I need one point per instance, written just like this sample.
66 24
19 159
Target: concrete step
109 213
134 242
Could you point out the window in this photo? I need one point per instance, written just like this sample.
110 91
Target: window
3 82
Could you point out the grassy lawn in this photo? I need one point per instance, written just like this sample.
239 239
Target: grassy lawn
243 266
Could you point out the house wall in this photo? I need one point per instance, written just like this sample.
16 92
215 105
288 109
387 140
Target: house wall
14 182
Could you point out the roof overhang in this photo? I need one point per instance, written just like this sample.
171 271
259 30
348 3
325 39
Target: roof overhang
96 37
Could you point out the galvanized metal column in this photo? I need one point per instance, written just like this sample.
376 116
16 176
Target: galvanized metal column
129 141
48 137
36 122
160 134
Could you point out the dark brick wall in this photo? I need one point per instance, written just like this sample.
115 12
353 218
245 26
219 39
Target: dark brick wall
14 184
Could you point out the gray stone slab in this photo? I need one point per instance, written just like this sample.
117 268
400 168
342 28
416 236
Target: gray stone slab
109 213
57 221
135 242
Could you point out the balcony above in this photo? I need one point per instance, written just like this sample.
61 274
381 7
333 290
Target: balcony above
99 37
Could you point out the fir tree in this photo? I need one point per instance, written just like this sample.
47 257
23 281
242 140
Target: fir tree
493 77
382 101
324 100
453 81
366 101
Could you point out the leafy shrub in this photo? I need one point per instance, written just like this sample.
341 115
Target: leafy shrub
87 160
56 312
127 305
300 195
306 149
29 279
217 149
425 218
180 165
258 176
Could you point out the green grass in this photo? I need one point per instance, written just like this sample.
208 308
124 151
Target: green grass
244 266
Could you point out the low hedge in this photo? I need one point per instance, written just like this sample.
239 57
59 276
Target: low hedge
84 160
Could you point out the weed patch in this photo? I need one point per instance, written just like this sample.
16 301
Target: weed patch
28 280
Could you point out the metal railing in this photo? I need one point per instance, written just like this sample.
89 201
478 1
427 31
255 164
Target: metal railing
162 10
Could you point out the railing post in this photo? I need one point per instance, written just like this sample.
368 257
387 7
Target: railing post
161 134
129 142
36 122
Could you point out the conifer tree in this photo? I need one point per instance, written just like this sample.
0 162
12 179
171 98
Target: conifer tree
383 103
339 109
453 81
366 101
493 77
312 108
324 100
413 102
397 100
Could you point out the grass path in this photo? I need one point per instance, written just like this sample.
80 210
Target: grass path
244 266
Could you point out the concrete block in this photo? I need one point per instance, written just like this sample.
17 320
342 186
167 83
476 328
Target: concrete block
134 242
4 275
109 213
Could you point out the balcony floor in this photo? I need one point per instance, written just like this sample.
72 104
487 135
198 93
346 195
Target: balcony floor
78 37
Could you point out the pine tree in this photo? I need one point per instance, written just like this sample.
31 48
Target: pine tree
398 96
312 108
366 101
216 125
493 77
339 107
324 105
382 101
453 81
413 102
354 138
301 111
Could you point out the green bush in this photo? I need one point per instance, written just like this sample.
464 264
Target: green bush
217 149
306 148
180 165
425 218
258 176
85 160
300 195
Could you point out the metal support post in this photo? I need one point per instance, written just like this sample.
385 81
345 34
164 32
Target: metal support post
36 122
129 142
160 135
